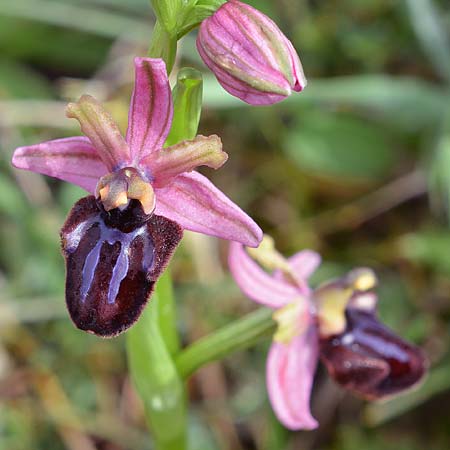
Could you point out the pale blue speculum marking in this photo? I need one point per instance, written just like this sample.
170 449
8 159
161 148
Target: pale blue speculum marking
109 236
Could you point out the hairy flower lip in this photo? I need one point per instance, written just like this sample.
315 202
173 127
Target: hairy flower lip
370 360
113 264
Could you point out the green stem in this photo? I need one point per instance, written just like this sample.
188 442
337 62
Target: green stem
152 368
167 313
238 335
163 45
195 12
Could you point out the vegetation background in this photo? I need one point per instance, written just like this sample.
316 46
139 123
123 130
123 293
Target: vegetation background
357 167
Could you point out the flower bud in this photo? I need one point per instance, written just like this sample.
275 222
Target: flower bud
250 56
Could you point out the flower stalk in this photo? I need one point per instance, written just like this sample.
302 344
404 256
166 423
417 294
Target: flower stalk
149 345
239 335
163 45
167 313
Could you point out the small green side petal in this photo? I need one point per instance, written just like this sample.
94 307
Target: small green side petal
167 163
104 134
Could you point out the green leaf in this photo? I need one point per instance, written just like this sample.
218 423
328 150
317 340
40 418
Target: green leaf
432 35
439 169
429 248
342 146
12 201
69 194
49 45
187 99
97 21
402 101
19 81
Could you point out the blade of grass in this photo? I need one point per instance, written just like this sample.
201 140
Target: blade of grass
83 18
426 21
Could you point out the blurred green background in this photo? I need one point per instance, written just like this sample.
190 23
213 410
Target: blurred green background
357 167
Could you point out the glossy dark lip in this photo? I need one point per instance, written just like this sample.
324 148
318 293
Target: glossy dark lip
113 261
370 360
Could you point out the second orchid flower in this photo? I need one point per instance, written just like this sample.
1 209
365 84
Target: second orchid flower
337 321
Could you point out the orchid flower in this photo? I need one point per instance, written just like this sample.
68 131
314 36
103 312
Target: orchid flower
337 322
117 242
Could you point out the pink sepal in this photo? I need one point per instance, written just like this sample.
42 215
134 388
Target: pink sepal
290 373
151 110
72 159
305 263
196 204
257 284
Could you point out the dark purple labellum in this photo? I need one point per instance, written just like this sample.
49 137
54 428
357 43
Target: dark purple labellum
369 359
113 260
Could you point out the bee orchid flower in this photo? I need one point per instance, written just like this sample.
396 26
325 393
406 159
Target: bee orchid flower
117 241
336 322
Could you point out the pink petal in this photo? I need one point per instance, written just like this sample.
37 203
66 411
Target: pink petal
71 159
196 204
151 109
290 373
98 125
304 263
167 163
255 283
